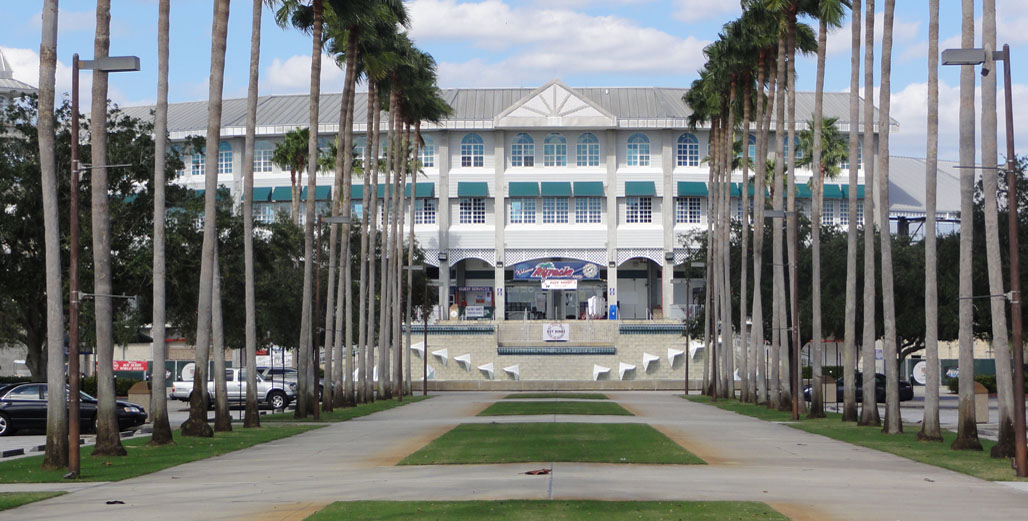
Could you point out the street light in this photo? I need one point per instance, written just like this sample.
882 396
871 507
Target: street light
424 345
794 353
102 64
978 57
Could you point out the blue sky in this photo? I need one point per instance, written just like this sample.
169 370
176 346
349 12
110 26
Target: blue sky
501 43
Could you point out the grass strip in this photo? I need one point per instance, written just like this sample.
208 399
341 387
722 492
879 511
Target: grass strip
525 408
345 413
142 459
548 510
529 442
566 396
973 463
9 500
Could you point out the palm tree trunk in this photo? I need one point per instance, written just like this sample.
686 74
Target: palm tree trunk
967 430
344 298
407 382
779 393
332 311
816 398
56 455
792 230
396 377
759 368
367 369
708 289
726 235
386 261
367 249
746 368
1004 447
197 425
849 395
893 422
222 416
108 438
869 407
252 416
930 428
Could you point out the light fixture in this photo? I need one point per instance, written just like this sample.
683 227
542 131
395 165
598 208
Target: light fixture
499 264
443 256
612 265
669 256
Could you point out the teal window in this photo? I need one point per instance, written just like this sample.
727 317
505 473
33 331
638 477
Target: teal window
224 158
472 151
555 210
522 210
688 150
638 210
262 154
472 210
199 163
752 149
426 154
424 211
687 210
588 209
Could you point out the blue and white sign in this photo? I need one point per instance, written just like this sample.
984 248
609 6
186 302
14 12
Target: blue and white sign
557 270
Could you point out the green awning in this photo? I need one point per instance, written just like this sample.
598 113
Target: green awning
803 191
421 190
262 194
521 189
356 192
735 190
382 190
846 191
281 193
588 189
218 195
692 189
833 192
640 188
555 189
321 193
469 189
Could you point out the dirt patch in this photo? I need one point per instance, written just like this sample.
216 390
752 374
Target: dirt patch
801 512
287 511
703 451
419 439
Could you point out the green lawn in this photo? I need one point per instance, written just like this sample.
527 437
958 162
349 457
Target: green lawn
522 408
566 396
10 500
974 463
144 460
471 443
345 413
548 510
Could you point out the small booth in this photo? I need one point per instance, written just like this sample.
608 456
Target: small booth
555 290
474 302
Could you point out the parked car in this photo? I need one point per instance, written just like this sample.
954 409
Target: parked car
906 390
278 374
277 394
23 406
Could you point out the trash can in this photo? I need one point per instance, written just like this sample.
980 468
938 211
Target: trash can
981 403
140 393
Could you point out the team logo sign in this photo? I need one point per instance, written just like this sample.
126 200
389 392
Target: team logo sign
556 270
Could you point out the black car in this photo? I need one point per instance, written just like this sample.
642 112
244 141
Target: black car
906 390
23 406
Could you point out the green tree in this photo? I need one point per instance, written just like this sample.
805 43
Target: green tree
291 155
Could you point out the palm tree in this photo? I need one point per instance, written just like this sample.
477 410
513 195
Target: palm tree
967 430
849 395
869 409
291 154
780 397
1004 447
251 417
108 437
222 416
197 425
56 455
930 428
159 400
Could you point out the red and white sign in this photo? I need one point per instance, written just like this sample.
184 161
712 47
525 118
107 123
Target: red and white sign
549 284
130 365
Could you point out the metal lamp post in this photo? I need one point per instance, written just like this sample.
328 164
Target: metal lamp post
102 64
977 57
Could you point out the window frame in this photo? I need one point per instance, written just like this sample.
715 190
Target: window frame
639 209
471 210
637 150
555 150
525 212
224 158
522 150
587 150
588 210
472 151
688 150
425 211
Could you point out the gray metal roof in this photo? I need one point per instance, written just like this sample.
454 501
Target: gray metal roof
653 107
907 185
7 81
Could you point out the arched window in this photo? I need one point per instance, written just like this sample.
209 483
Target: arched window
522 151
426 154
638 150
688 150
199 162
555 150
796 147
262 154
472 151
358 147
752 150
224 158
588 150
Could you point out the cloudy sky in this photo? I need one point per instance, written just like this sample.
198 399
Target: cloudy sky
509 43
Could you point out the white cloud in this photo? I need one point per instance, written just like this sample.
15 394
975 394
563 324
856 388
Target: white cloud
293 75
556 41
68 21
695 10
1011 20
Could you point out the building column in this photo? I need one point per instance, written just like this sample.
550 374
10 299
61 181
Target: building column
667 213
499 222
443 214
611 160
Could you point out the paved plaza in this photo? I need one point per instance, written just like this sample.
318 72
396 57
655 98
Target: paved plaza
804 476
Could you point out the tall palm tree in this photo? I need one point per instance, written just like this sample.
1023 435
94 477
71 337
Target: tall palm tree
197 425
930 428
780 397
159 400
222 416
869 409
291 154
849 395
967 430
251 417
108 436
56 455
1004 447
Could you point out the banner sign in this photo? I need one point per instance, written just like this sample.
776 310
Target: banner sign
568 270
560 284
555 332
130 365
474 311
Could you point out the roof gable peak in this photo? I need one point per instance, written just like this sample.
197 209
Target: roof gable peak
555 105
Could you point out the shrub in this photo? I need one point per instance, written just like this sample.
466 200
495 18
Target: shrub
121 385
14 379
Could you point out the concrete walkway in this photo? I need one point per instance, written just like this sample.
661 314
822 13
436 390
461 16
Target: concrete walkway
805 476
